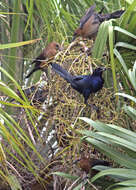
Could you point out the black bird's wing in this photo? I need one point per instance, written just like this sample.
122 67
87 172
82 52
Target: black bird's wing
96 83
87 15
82 84
78 77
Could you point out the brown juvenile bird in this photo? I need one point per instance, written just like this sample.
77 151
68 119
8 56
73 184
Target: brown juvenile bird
48 53
90 22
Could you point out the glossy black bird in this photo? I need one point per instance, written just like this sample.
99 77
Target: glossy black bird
84 84
90 22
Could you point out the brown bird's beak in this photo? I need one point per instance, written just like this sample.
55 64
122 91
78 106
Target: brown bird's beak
61 48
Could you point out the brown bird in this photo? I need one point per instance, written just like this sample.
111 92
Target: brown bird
90 22
86 164
47 55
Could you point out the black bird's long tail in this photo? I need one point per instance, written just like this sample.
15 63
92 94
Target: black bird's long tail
62 72
115 14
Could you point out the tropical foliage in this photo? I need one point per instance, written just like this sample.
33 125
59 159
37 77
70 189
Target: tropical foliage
41 139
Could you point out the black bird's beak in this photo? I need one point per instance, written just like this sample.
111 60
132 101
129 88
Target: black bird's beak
103 69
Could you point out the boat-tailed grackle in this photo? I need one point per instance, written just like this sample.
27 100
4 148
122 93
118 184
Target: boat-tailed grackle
90 22
86 164
84 84
48 53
